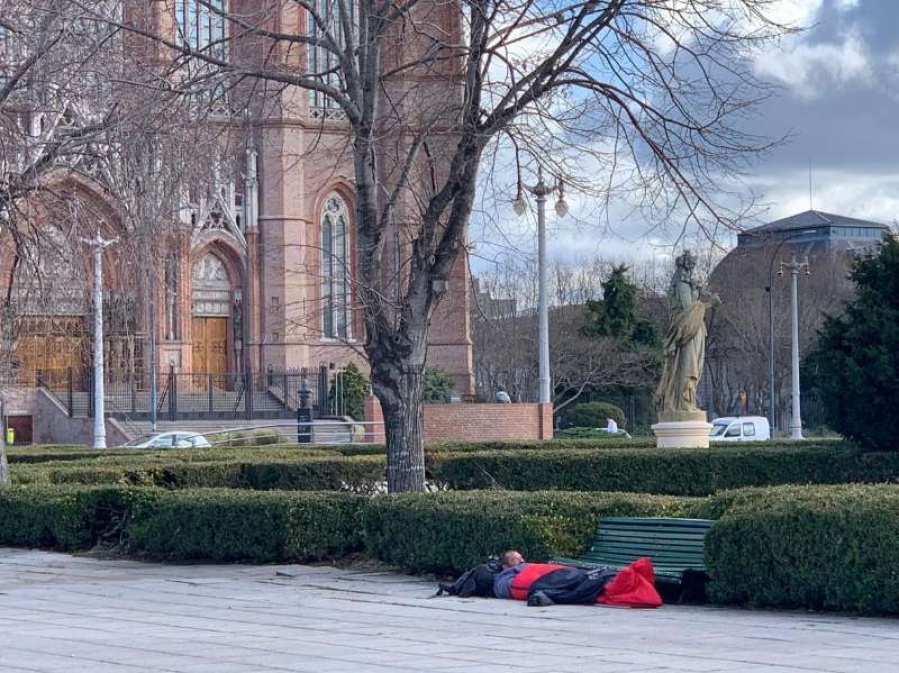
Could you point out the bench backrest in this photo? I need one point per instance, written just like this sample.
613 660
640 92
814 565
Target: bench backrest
668 542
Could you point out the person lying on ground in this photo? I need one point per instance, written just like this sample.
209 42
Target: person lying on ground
548 583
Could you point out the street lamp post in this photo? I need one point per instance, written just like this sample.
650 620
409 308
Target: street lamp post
540 192
770 290
98 245
794 267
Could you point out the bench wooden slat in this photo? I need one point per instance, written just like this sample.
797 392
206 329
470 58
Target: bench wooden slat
673 544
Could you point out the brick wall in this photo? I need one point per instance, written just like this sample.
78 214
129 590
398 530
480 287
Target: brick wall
471 422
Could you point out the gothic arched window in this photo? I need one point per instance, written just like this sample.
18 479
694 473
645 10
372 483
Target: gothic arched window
201 24
335 268
323 62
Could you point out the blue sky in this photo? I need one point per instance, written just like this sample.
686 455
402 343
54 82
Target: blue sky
837 102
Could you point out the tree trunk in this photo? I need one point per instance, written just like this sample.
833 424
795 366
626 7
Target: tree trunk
399 385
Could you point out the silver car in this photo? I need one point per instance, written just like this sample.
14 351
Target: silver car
175 439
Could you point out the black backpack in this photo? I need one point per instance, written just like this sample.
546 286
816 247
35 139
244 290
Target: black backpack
475 582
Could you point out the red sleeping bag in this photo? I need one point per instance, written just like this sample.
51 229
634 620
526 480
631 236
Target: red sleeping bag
522 582
633 587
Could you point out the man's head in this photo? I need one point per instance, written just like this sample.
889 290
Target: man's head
511 559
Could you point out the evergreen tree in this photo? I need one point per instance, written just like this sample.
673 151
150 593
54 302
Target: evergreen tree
438 387
615 315
348 391
856 361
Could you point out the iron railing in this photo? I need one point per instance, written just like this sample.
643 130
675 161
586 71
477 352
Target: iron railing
199 396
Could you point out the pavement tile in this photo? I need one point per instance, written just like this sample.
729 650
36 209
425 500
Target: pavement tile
64 614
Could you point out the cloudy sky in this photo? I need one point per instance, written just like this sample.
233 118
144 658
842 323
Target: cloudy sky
839 103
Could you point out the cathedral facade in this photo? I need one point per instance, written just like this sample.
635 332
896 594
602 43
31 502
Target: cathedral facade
256 270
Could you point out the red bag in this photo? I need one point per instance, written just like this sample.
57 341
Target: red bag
532 571
633 586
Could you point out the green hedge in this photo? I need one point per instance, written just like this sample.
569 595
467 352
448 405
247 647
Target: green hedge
217 524
53 453
66 517
602 442
691 472
445 532
227 525
362 474
823 547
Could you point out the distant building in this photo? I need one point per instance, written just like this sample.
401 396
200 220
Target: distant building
756 306
816 232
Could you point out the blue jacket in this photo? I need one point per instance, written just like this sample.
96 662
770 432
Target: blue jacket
502 585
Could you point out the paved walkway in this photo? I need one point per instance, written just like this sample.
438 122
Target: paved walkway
60 613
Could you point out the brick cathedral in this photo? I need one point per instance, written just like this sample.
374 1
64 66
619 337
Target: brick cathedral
257 275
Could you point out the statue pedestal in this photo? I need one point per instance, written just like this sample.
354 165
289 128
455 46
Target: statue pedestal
682 429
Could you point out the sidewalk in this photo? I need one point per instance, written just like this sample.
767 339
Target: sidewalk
66 614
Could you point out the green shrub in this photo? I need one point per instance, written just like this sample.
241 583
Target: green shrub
438 386
693 472
446 532
591 415
255 471
228 525
595 434
266 438
347 393
216 524
823 547
66 517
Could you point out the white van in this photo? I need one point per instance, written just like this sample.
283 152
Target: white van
740 429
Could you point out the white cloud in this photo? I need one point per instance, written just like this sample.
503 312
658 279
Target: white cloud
846 5
868 195
811 70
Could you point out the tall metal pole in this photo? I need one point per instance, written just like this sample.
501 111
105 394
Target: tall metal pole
98 245
772 406
794 267
154 382
540 191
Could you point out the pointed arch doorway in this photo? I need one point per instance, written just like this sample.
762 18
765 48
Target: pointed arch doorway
210 319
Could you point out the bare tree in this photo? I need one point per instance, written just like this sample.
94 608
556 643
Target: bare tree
88 142
505 349
740 329
55 106
647 89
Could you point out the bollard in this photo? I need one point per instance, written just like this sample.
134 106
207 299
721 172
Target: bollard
10 436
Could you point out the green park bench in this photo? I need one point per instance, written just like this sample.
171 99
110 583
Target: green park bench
674 545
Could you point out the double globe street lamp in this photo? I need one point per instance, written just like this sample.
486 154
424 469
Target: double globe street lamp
519 205
794 268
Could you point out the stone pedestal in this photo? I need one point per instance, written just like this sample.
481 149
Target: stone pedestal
682 429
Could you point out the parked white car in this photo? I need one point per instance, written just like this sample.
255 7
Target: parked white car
740 429
175 439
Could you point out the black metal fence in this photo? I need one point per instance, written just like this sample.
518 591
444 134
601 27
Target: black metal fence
199 396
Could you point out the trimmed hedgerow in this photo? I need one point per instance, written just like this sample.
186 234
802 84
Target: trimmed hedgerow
446 532
692 472
228 525
216 524
822 547
53 453
67 517
301 473
610 442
